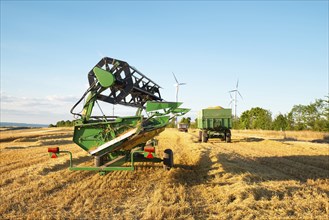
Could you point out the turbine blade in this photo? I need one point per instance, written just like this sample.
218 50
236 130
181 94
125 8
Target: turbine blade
233 90
182 84
240 94
175 77
230 95
237 84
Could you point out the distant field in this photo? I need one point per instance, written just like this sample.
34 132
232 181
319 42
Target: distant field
259 175
312 136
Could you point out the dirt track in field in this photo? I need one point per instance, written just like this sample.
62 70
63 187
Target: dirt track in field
249 178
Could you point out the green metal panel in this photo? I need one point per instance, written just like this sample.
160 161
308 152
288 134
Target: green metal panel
153 106
103 168
215 113
181 110
92 135
88 106
89 136
214 119
105 78
157 122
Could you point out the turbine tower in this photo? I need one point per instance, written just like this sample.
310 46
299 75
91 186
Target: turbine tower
177 89
235 99
177 86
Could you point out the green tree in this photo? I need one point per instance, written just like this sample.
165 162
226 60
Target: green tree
314 116
299 117
60 123
260 118
63 123
290 122
183 120
245 120
236 123
172 123
188 121
256 118
321 122
194 124
280 123
68 123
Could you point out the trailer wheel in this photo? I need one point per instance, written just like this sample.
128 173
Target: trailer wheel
228 137
168 159
204 136
200 136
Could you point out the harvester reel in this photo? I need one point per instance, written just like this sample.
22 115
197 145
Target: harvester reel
131 88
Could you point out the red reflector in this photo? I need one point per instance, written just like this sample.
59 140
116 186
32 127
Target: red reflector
149 156
53 149
53 155
149 149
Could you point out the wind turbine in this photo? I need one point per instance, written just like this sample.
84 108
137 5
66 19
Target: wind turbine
177 89
235 99
231 100
177 86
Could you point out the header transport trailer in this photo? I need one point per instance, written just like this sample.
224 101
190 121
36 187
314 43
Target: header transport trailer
215 122
115 141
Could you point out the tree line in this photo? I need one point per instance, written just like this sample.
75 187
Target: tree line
62 123
314 116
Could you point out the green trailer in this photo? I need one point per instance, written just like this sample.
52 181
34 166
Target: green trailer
215 122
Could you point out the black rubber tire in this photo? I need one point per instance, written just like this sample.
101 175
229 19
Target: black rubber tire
200 136
168 159
204 136
223 138
228 137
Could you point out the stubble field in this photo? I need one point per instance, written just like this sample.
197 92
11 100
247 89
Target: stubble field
256 176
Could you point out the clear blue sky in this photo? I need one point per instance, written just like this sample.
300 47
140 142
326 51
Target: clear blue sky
277 49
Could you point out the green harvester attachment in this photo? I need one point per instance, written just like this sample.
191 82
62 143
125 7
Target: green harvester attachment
115 142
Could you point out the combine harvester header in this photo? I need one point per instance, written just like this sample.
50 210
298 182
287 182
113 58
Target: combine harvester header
115 140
